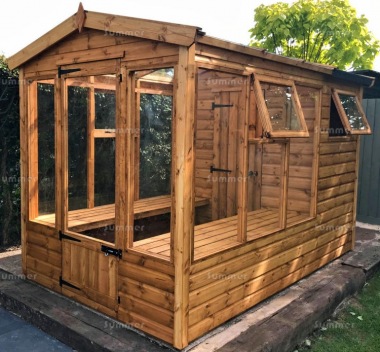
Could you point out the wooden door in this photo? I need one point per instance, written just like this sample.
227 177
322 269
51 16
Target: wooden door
90 274
89 236
229 111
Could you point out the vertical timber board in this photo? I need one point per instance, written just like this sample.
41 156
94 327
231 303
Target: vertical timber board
33 150
354 215
243 162
58 92
233 115
128 111
23 165
317 135
120 171
216 160
182 230
64 154
91 144
285 152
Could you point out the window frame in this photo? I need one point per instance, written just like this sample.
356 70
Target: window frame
263 109
33 148
343 116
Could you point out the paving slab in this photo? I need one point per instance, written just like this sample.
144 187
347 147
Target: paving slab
18 336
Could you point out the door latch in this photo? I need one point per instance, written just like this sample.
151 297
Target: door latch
112 251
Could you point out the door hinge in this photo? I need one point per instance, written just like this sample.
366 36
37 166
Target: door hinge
121 77
214 106
64 72
215 169
63 282
112 251
63 236
118 299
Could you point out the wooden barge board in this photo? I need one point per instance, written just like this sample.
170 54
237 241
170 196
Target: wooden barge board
219 235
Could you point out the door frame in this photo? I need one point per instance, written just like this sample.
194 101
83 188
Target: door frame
70 237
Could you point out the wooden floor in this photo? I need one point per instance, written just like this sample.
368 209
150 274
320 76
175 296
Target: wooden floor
104 215
219 235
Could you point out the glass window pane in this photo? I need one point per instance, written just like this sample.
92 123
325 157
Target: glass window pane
280 104
77 161
104 171
46 157
350 106
105 105
153 159
155 144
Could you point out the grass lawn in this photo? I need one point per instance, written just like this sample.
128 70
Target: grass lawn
356 328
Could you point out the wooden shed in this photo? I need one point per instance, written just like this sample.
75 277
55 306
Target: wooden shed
174 180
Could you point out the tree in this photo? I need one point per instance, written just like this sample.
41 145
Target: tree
322 31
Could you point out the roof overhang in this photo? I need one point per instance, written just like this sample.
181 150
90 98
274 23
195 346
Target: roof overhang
148 29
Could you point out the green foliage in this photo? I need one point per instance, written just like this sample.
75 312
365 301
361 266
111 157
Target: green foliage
323 31
9 156
155 144
355 329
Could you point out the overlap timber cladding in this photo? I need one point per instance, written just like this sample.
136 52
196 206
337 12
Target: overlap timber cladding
227 284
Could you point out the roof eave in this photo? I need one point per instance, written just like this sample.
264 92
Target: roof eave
148 29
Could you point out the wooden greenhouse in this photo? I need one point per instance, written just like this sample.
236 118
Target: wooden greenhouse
175 180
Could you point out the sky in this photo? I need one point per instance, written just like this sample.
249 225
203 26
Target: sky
27 20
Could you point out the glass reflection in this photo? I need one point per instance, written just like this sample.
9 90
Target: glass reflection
280 104
350 106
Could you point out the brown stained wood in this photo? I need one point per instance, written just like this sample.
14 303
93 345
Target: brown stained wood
284 186
129 111
158 31
216 157
203 304
183 220
120 159
148 293
242 162
150 327
337 169
32 150
337 147
231 47
42 267
98 282
77 296
44 280
91 144
216 236
216 319
335 202
149 276
355 200
103 215
147 310
80 17
264 253
334 181
90 55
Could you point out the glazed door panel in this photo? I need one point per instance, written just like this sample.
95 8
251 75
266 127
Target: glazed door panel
89 240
